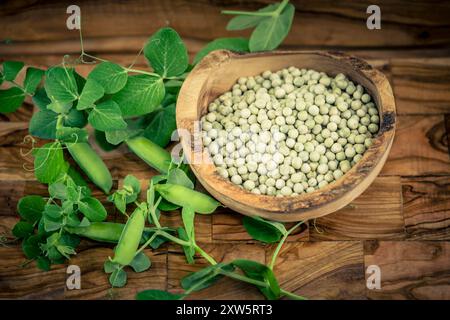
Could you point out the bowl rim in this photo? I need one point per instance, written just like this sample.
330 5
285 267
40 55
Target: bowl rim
290 208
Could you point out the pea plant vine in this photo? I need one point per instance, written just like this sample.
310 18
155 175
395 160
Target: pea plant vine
134 107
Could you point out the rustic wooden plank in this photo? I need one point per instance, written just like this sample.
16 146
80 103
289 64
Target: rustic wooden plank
227 226
421 86
323 22
426 207
419 148
226 289
410 269
26 281
376 214
322 270
94 281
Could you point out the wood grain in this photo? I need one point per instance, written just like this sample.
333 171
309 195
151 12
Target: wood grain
326 23
419 148
426 207
322 270
227 226
225 289
376 214
410 270
421 86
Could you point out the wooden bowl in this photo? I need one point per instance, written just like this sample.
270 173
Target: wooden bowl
216 74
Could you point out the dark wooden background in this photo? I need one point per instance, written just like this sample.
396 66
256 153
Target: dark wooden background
401 223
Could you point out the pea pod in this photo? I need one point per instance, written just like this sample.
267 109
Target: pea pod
91 164
182 196
130 237
105 232
151 153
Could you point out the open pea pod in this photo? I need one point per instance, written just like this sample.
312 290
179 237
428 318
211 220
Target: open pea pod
184 197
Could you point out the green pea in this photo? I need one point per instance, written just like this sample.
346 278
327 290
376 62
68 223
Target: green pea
130 237
182 196
151 153
91 164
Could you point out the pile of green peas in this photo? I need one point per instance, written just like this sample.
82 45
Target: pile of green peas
289 132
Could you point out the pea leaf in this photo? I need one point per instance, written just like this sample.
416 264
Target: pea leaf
167 53
205 277
76 177
11 69
75 118
32 79
263 230
188 215
43 263
43 124
72 135
189 251
22 229
178 176
60 85
261 272
116 137
40 99
157 295
271 32
92 91
11 99
49 162
110 267
242 22
141 95
118 278
100 138
162 125
133 186
140 262
92 209
110 76
31 248
52 224
107 116
53 211
30 208
233 44
59 107
58 190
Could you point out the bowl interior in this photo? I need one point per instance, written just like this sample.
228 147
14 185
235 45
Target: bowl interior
220 70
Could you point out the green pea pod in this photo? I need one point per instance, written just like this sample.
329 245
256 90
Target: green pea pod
182 196
130 237
105 232
151 153
91 164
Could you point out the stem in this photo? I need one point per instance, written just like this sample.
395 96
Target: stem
292 295
280 244
172 238
142 72
147 243
205 255
153 214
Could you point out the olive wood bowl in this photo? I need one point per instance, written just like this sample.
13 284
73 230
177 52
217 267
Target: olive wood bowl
216 74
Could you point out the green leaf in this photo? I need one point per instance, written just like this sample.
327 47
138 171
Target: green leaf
32 79
75 118
241 22
92 91
53 211
49 162
30 208
233 44
178 176
189 251
263 230
205 277
110 267
100 138
110 76
58 190
271 32
141 95
162 125
60 107
43 124
116 137
157 295
165 205
11 69
107 116
132 184
167 53
11 99
188 215
140 262
43 263
92 209
52 225
76 177
31 248
118 278
40 99
261 272
60 85
72 135
22 229
120 202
